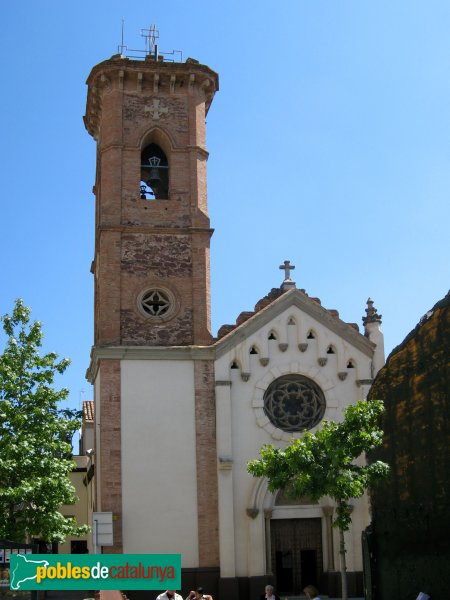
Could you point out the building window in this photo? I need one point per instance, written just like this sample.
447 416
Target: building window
294 403
157 303
154 173
78 547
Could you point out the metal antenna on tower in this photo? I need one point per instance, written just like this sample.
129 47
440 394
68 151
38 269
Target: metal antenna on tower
122 47
151 35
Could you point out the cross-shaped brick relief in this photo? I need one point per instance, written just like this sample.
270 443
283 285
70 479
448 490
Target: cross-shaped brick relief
156 110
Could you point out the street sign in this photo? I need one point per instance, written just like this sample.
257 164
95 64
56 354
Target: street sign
102 530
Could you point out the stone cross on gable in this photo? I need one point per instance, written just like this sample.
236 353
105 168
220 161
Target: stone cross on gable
287 268
156 110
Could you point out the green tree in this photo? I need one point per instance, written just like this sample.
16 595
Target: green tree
35 436
325 463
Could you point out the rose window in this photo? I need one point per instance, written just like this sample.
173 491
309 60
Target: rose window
294 403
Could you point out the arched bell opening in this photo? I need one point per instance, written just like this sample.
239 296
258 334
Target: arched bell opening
154 173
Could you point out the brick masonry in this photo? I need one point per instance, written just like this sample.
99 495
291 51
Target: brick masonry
157 256
207 495
178 333
141 242
110 448
144 243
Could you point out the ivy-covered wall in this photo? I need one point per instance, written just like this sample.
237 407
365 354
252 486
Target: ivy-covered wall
411 510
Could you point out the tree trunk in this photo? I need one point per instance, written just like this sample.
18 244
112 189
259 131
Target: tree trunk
343 564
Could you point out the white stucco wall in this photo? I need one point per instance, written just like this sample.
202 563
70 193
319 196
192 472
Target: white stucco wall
250 428
87 437
159 489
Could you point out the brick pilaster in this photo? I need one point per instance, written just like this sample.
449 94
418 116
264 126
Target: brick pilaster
207 495
110 476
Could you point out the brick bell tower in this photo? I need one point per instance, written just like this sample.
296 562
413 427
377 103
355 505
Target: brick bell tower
151 263
152 300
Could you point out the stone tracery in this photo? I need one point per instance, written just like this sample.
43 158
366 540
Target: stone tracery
294 403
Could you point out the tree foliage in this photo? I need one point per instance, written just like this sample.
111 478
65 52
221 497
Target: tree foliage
325 463
35 436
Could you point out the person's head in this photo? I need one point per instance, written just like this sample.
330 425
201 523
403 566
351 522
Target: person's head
171 593
199 592
269 590
311 592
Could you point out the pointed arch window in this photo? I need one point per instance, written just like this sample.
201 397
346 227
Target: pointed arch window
154 173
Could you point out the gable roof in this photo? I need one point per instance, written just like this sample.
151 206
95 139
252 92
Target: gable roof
275 303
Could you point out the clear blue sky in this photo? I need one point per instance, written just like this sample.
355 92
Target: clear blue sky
329 145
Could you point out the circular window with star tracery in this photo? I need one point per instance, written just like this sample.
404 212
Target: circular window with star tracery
294 403
157 303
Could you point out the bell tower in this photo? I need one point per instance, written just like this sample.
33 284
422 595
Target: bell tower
151 264
152 365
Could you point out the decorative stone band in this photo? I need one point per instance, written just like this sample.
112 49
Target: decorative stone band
157 229
147 352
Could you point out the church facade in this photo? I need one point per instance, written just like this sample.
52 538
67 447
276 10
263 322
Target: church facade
178 413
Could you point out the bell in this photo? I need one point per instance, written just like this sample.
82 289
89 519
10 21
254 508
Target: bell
154 180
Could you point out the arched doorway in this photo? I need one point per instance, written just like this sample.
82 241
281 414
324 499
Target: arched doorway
296 553
296 541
